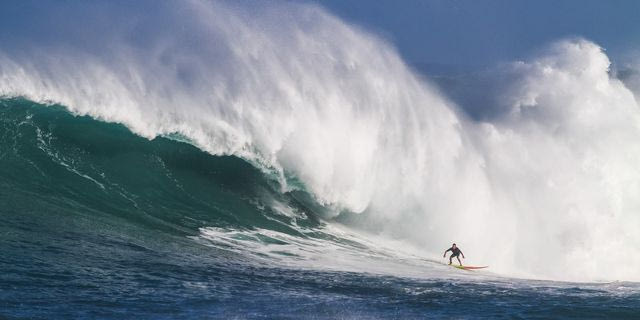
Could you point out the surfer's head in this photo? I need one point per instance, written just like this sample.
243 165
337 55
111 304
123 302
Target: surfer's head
454 245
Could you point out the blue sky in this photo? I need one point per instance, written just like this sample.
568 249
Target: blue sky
474 33
463 33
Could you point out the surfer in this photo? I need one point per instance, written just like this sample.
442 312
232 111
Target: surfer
455 252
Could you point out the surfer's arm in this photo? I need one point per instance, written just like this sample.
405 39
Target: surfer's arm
445 253
462 254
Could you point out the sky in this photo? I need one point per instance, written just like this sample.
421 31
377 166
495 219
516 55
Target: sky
445 34
472 33
463 33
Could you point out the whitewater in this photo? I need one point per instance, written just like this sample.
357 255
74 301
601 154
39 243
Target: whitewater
276 141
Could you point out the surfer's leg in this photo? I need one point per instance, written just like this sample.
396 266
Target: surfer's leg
460 262
450 257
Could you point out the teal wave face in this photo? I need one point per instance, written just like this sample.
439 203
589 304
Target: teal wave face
87 169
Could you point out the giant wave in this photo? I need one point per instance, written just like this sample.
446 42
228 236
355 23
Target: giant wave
323 107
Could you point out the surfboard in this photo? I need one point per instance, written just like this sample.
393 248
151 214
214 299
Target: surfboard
469 267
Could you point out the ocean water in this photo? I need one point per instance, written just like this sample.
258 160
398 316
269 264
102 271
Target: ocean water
217 161
124 230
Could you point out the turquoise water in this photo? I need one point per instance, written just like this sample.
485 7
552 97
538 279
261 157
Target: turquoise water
97 222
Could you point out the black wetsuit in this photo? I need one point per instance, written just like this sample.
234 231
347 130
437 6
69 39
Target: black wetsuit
454 251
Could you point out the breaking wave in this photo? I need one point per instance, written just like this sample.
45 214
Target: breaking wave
343 130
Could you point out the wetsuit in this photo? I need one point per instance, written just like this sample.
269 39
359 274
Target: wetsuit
454 251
